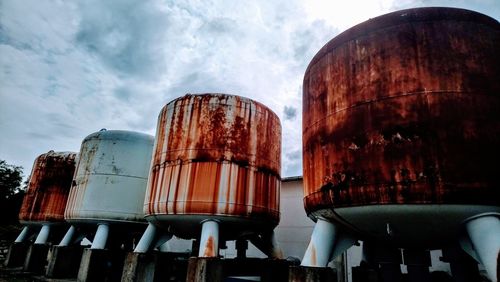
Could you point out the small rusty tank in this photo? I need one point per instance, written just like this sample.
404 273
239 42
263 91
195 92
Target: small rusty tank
401 127
48 188
216 157
47 194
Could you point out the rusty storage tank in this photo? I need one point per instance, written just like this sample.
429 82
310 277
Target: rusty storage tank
109 182
48 189
401 127
216 161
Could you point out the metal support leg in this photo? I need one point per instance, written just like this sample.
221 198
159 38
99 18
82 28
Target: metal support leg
146 240
23 235
43 235
101 237
68 237
209 242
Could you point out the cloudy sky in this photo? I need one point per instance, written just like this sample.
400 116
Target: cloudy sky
70 68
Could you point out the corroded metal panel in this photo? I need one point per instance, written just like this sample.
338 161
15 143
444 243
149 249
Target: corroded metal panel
110 178
48 188
216 154
404 109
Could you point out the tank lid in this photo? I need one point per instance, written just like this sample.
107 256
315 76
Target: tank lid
221 96
424 14
105 134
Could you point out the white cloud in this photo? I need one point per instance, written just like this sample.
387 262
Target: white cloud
68 69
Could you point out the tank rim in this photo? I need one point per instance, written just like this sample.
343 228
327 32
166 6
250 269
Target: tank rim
244 99
412 15
104 134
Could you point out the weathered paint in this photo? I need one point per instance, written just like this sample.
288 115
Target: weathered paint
111 177
48 188
404 109
216 154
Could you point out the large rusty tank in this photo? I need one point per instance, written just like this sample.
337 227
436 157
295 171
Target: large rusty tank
48 189
401 126
216 156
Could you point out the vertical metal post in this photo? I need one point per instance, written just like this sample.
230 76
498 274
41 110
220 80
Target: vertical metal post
43 235
209 242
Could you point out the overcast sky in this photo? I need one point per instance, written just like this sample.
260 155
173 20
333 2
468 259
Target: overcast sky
70 68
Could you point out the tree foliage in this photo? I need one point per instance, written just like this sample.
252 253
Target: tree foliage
11 193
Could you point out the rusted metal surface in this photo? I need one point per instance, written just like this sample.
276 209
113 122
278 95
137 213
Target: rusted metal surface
111 177
404 109
216 154
48 188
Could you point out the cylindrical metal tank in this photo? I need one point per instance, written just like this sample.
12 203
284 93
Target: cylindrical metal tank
48 189
110 178
216 157
401 127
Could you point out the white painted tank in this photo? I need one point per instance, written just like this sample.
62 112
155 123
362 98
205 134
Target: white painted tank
110 182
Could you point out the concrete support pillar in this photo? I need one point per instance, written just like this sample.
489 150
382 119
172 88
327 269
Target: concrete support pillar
64 261
209 241
417 262
16 255
241 248
463 267
385 259
101 265
484 233
311 274
155 266
205 269
36 258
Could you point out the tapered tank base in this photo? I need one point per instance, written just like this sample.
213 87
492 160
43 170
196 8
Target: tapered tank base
36 258
64 261
484 233
320 248
16 255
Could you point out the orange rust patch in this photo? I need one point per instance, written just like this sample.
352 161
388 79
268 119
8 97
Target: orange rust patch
210 248
48 188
